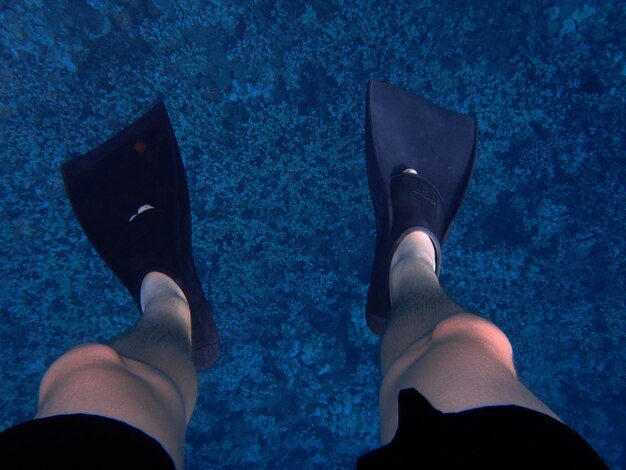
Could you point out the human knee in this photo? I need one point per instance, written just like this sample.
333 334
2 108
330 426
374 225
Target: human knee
81 357
78 360
97 378
466 327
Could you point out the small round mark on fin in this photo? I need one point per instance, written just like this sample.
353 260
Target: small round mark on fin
143 208
140 147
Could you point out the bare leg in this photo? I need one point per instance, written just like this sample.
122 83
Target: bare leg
145 378
457 360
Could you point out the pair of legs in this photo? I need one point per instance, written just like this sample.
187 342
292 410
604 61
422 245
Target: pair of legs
146 378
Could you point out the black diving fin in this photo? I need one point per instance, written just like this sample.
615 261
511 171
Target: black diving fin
142 167
403 132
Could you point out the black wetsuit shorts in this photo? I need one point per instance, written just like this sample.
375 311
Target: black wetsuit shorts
492 437
81 441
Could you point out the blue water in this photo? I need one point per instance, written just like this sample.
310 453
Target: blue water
267 100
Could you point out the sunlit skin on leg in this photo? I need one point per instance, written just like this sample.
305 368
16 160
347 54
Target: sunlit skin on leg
145 378
456 359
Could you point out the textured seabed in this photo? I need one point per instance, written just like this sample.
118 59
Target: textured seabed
267 99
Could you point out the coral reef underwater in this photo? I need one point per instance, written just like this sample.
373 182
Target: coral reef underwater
267 99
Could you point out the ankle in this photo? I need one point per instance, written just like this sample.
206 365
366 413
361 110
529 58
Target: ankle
412 266
416 247
163 301
157 287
